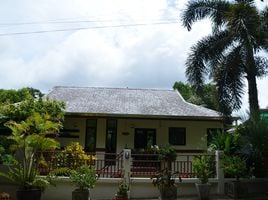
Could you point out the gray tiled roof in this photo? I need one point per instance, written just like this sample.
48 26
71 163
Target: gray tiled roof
125 101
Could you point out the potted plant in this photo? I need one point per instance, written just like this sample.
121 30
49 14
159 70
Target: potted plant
122 192
164 180
85 178
30 137
234 167
202 169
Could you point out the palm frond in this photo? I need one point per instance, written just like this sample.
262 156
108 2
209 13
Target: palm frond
206 50
244 21
261 65
264 28
200 9
229 79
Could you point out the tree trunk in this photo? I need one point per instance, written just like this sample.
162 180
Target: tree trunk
252 87
253 98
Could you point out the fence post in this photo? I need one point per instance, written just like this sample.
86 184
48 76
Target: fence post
219 172
127 166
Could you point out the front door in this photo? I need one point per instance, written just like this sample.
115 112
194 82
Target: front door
144 138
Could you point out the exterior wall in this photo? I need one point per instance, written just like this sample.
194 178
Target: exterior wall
105 189
195 131
74 123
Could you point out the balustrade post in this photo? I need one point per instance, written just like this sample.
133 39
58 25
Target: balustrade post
219 171
127 160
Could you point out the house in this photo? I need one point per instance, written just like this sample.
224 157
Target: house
110 119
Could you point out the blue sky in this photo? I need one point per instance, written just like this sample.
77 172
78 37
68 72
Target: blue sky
148 56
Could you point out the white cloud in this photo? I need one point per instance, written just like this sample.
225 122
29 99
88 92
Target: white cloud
141 56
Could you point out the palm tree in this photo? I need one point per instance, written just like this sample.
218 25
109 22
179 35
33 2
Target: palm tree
230 55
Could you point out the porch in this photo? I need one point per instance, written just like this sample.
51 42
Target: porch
116 165
136 170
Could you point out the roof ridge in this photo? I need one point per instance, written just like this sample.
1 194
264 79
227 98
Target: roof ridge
121 88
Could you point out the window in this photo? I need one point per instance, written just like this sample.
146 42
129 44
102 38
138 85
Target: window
111 134
90 143
144 137
177 135
111 137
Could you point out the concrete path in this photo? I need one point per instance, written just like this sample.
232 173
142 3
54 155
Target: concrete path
261 197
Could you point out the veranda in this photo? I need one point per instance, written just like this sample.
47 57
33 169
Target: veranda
136 170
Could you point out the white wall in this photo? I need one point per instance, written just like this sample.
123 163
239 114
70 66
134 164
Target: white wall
195 131
105 189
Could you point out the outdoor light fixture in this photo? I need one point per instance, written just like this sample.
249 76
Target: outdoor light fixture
126 155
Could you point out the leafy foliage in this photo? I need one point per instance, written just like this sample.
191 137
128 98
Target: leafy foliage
6 150
15 96
26 179
206 98
202 168
255 145
84 177
229 143
76 155
21 111
165 178
30 137
234 166
167 153
122 189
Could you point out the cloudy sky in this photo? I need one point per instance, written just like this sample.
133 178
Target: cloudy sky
119 43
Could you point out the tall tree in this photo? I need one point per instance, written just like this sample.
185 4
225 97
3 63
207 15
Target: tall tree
15 96
230 54
208 98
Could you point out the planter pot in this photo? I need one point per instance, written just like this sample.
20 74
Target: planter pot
30 194
43 171
203 191
121 197
5 196
236 189
80 194
168 193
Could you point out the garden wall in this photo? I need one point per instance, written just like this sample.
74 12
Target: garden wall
106 189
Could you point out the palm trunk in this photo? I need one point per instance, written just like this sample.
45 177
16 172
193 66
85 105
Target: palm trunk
252 87
253 98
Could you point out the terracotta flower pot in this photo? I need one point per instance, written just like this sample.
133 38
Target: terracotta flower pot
29 194
80 194
168 193
121 197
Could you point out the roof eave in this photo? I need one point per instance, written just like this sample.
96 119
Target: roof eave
139 116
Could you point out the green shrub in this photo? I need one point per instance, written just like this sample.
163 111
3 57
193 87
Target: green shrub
234 166
201 166
84 177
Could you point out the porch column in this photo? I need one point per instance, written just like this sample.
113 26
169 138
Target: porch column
100 154
219 172
127 166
